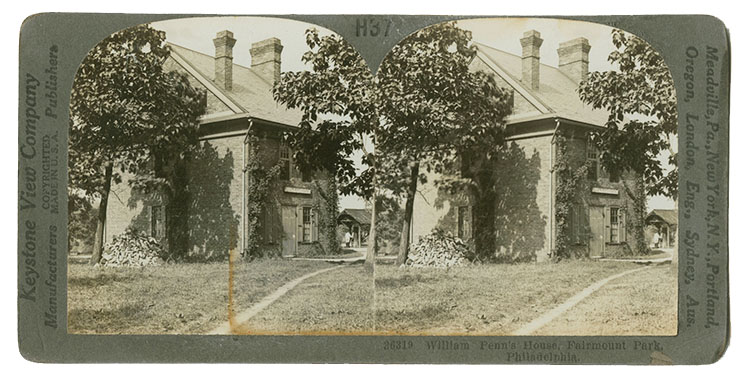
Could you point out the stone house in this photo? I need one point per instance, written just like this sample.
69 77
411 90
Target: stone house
545 104
239 105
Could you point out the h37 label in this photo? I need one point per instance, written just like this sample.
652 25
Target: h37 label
373 27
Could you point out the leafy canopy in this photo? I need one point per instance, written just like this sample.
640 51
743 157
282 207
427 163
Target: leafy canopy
125 108
338 101
642 104
433 106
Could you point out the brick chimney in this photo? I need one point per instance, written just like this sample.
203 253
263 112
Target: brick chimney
266 59
530 44
224 42
574 58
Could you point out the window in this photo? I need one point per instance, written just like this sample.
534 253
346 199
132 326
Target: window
308 221
286 162
614 225
617 230
157 221
464 223
592 158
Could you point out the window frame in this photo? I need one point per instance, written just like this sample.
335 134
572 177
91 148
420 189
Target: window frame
592 158
285 160
617 233
308 225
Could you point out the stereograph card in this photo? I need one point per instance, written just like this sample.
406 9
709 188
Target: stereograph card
373 189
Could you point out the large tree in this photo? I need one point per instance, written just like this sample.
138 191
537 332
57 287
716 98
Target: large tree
420 111
438 112
337 96
129 115
642 104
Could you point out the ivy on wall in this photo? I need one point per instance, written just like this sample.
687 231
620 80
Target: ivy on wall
328 208
259 182
570 177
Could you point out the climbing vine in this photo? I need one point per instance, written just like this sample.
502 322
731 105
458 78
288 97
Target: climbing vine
328 205
259 181
637 214
567 189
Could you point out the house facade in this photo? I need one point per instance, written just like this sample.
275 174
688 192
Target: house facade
546 112
240 111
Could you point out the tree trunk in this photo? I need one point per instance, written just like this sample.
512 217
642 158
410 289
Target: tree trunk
639 211
176 203
483 213
332 210
372 240
403 249
101 218
638 214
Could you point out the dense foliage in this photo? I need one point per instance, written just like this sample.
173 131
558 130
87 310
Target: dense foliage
259 182
338 99
425 110
128 115
642 104
569 177
440 116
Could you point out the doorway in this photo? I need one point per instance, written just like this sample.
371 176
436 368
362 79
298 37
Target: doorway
289 223
597 224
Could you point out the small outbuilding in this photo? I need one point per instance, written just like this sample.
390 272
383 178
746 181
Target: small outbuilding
357 222
664 222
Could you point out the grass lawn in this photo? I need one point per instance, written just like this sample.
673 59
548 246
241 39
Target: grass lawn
644 303
170 299
474 300
335 302
478 300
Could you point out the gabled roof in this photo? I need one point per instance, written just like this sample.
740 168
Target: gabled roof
362 216
250 93
667 215
557 95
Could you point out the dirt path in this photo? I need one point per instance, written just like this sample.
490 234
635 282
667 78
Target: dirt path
637 304
244 316
551 315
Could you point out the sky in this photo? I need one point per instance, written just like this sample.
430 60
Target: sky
501 33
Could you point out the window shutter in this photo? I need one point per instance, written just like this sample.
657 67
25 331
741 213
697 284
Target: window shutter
583 222
298 218
608 224
470 222
314 225
623 226
577 224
